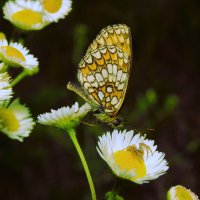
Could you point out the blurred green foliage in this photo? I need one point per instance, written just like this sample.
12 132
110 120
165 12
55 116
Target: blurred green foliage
113 196
149 105
80 42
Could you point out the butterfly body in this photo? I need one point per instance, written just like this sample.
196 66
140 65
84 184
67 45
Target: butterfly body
104 72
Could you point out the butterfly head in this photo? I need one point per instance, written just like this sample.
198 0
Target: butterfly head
117 123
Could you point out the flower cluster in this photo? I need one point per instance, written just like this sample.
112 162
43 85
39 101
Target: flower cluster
15 119
35 15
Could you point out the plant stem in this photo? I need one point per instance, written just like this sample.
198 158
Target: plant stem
18 78
72 134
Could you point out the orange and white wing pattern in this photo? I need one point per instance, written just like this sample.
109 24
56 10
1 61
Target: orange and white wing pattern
104 70
118 35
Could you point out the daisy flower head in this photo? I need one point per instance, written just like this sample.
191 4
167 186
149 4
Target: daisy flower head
6 91
132 156
65 117
14 54
56 9
16 121
26 15
181 193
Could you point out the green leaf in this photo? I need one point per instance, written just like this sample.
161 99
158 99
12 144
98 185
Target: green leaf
170 103
112 195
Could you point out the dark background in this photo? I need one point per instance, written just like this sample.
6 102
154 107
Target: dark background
163 94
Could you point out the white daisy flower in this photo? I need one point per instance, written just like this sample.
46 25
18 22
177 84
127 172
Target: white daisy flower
14 54
65 117
181 193
16 121
132 157
56 9
5 87
26 15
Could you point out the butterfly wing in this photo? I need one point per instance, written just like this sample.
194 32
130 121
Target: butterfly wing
104 70
118 35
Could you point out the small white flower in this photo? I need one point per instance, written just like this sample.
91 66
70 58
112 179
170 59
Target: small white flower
56 9
65 117
26 15
14 54
181 193
5 87
132 157
16 121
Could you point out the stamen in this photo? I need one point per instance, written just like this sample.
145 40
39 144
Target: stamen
144 147
129 159
182 193
2 36
12 52
52 6
27 17
8 120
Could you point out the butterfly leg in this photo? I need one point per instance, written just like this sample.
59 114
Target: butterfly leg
144 147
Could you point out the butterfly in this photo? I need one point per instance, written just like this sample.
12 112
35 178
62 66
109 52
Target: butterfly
103 73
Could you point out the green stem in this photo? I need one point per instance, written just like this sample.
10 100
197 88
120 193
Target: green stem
18 78
72 134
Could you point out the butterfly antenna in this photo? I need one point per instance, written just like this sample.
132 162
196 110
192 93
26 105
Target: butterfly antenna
75 88
78 90
88 123
129 126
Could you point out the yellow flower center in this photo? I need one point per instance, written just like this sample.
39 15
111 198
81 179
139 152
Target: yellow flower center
27 17
8 120
52 6
128 160
183 194
12 52
2 36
